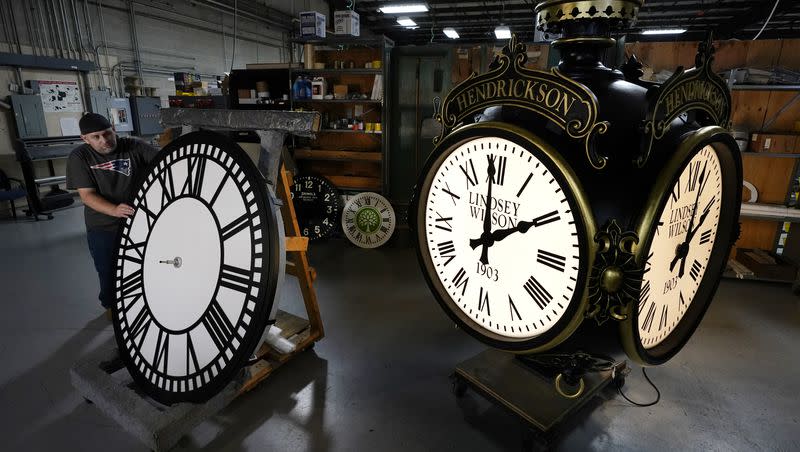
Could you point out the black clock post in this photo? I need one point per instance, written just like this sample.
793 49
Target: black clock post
576 217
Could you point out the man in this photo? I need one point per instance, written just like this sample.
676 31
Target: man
103 171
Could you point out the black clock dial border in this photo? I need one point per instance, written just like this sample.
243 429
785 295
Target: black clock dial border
269 275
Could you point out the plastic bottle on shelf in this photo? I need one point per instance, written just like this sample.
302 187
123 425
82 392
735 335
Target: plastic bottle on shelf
298 88
307 86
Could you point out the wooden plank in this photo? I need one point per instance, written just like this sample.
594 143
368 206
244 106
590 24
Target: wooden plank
748 109
758 234
790 54
763 54
354 182
785 122
771 176
729 54
321 154
296 244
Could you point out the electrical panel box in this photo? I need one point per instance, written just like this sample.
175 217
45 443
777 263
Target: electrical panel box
147 111
119 110
100 102
29 115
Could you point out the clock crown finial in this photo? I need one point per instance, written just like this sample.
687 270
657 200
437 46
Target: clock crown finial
586 18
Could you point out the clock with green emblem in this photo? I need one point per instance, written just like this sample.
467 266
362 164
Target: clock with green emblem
368 220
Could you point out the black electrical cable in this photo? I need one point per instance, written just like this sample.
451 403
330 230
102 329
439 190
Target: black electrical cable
658 393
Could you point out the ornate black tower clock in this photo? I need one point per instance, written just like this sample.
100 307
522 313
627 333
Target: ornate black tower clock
580 208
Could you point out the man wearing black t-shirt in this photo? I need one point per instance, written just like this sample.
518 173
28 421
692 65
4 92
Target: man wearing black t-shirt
103 170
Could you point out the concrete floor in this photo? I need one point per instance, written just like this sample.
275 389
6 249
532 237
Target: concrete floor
379 379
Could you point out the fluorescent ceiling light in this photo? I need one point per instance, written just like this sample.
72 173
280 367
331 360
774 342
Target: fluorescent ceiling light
404 9
406 22
502 32
670 31
451 33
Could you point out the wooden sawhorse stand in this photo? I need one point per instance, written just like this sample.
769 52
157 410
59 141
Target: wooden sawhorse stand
303 333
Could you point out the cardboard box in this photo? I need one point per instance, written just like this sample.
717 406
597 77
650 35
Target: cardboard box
346 23
782 143
340 91
765 264
312 24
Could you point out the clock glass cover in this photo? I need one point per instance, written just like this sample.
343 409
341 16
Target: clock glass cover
317 205
501 241
196 269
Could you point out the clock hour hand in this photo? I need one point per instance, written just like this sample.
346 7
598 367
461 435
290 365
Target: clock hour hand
522 226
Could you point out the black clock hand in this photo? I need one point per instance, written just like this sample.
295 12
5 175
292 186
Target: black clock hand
689 238
487 218
683 249
522 226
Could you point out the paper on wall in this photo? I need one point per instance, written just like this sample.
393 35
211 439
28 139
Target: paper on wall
60 96
69 127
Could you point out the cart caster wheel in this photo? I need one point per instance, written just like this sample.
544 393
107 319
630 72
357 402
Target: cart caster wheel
459 387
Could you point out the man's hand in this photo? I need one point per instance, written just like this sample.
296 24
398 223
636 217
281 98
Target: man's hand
123 211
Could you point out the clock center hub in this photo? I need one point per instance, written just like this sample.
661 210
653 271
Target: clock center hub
611 279
179 289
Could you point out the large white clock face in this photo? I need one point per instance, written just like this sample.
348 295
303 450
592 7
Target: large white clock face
505 248
681 248
191 270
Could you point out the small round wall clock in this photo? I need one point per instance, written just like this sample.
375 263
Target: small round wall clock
368 220
196 269
317 205
502 228
693 226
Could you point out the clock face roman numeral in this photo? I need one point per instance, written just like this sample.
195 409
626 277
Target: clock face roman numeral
461 279
132 285
547 218
218 325
140 325
194 177
167 186
551 260
644 295
695 270
235 278
676 193
483 302
192 364
445 226
469 172
705 237
540 296
664 317
499 169
648 320
161 355
452 195
447 250
694 176
235 226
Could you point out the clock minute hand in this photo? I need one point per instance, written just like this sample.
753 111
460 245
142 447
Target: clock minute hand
487 218
522 226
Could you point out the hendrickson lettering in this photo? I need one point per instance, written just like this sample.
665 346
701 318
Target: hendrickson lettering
695 91
553 98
